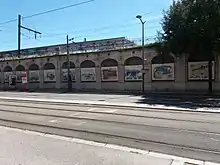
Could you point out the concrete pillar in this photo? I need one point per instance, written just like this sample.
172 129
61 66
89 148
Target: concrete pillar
78 78
217 74
121 74
2 79
217 68
121 77
41 73
180 73
58 72
147 76
58 78
98 77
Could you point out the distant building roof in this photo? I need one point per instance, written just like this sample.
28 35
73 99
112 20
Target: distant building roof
75 47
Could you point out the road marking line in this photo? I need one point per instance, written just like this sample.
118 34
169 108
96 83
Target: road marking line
209 163
81 123
91 109
74 114
177 162
166 156
111 111
214 139
53 121
57 137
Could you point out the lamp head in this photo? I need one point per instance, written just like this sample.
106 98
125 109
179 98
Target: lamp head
138 16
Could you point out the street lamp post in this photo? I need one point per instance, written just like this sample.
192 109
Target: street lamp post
68 61
143 68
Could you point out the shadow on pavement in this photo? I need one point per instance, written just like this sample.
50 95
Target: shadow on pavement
181 101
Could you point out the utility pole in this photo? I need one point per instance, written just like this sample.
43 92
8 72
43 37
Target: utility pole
68 61
19 33
19 40
143 63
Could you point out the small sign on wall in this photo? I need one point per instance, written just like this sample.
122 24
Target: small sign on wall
50 75
12 80
24 78
65 74
34 76
18 76
200 70
88 75
110 73
163 72
133 72
6 76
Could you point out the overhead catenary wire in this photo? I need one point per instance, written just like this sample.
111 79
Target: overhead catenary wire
57 9
95 31
9 21
137 40
48 11
106 26
99 29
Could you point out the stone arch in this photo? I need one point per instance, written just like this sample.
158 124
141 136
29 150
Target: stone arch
65 65
162 59
7 69
109 62
49 66
34 67
87 64
20 68
133 61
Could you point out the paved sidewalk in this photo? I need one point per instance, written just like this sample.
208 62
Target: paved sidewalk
20 147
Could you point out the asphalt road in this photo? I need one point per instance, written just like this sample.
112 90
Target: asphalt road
187 134
169 100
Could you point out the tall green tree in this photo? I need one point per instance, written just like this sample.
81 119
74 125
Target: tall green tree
193 27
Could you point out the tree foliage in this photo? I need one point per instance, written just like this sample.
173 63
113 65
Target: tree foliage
192 27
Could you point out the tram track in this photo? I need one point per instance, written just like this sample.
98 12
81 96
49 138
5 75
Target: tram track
104 105
109 127
107 135
111 121
71 108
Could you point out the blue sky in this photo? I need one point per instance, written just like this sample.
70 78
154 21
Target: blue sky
95 20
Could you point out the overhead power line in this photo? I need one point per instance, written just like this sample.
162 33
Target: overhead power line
48 11
61 8
98 30
107 27
6 22
81 34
